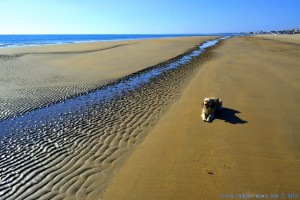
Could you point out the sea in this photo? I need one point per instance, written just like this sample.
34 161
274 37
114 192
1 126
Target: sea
37 40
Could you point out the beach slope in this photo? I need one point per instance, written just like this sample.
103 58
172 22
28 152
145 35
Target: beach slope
252 148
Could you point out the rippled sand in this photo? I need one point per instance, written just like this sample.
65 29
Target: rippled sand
74 154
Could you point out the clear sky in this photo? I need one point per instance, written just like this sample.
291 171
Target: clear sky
146 16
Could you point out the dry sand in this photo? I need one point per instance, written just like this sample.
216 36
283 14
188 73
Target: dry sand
33 77
251 149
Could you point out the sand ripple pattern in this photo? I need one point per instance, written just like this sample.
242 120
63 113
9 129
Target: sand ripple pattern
65 150
29 99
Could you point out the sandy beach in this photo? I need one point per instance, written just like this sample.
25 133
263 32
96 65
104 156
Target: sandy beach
251 149
32 77
150 142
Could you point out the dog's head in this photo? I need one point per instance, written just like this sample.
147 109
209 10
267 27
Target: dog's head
208 103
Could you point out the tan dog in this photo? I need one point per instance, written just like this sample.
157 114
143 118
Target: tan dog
210 106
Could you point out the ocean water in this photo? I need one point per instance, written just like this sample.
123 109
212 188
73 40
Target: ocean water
34 40
37 40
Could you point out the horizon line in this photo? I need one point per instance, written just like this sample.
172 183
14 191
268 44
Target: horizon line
119 33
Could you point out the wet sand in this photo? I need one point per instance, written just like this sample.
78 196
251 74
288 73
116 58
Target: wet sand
71 150
252 148
32 77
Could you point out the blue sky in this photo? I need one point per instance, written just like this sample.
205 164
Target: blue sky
146 16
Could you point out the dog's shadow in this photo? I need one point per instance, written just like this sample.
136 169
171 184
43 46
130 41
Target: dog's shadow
229 115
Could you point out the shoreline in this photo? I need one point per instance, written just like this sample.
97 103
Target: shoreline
150 37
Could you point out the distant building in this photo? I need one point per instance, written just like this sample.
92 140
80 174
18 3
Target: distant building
289 31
